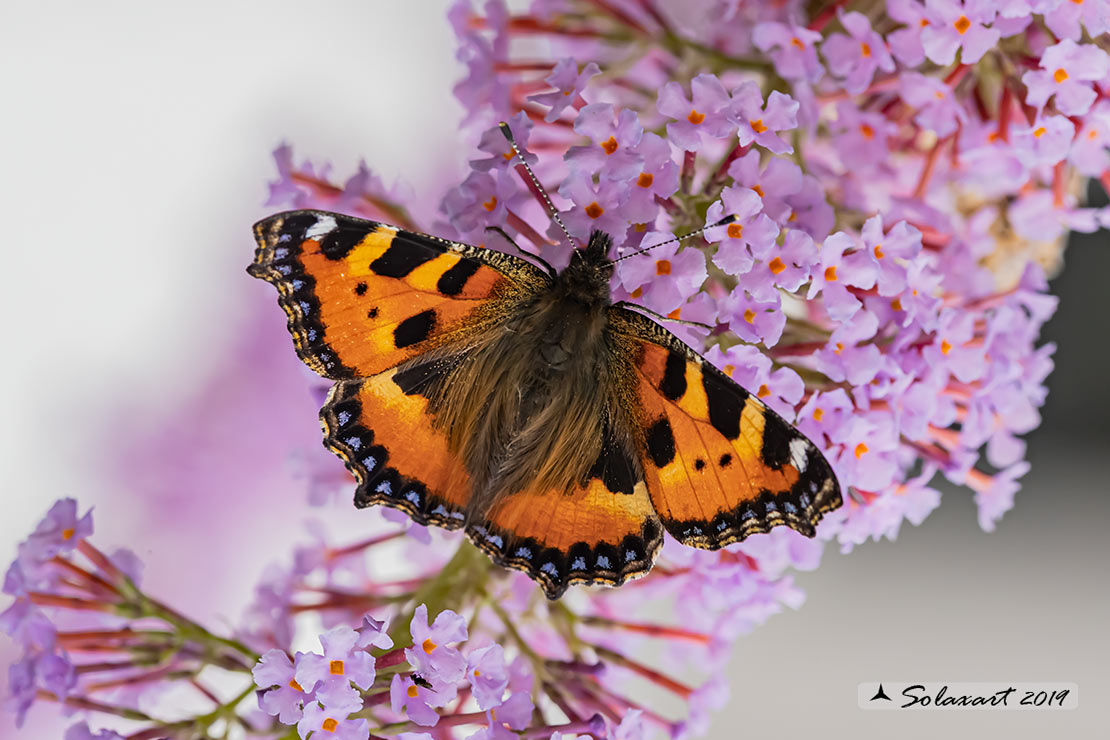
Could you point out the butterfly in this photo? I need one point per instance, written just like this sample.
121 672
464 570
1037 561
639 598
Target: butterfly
564 432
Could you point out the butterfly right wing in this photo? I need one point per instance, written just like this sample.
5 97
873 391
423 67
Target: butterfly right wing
362 297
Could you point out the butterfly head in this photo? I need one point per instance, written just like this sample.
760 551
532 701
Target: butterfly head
586 278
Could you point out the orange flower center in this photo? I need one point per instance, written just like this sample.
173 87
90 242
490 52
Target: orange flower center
329 725
749 315
67 534
793 217
429 646
962 24
735 230
945 346
335 668
1092 134
896 304
758 189
490 204
294 685
1060 75
729 370
776 266
609 145
861 450
764 391
830 274
695 117
1040 131
663 267
839 347
507 155
865 49
878 251
866 131
645 179
412 692
675 313
593 210
818 414
757 125
797 43
637 293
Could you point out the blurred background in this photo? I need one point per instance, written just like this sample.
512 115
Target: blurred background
144 370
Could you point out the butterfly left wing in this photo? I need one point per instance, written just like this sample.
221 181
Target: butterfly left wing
362 297
719 464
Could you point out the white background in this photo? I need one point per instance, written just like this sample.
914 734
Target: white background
135 142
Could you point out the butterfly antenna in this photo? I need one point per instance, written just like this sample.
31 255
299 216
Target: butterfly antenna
723 222
536 183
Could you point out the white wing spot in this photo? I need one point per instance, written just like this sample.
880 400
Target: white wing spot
799 453
323 225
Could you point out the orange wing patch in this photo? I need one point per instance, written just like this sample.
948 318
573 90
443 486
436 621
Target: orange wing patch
719 465
382 430
605 531
362 297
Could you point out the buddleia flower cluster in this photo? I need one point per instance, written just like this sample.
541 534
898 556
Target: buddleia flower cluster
901 176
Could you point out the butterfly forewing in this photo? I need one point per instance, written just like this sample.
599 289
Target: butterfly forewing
363 297
718 463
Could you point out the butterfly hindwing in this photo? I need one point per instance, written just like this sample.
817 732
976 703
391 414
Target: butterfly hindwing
718 463
604 531
362 297
381 428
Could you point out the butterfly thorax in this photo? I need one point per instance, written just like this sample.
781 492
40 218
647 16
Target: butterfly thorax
527 408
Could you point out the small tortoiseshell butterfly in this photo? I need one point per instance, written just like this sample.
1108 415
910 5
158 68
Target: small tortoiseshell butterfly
564 432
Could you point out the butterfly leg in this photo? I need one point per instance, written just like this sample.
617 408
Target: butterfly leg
550 270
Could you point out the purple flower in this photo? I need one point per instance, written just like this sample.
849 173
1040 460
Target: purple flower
780 389
282 695
483 199
863 138
952 348
321 722
568 83
836 271
596 206
856 57
56 674
417 700
496 146
994 495
778 180
955 25
57 533
81 731
793 50
28 626
809 210
488 676
614 139
431 654
329 676
786 267
1046 142
707 113
890 252
751 236
373 633
760 123
1067 71
668 275
905 43
753 320
938 110
1064 19
514 713
1089 152
657 178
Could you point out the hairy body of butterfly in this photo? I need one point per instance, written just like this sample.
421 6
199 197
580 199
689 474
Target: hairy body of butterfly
563 432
